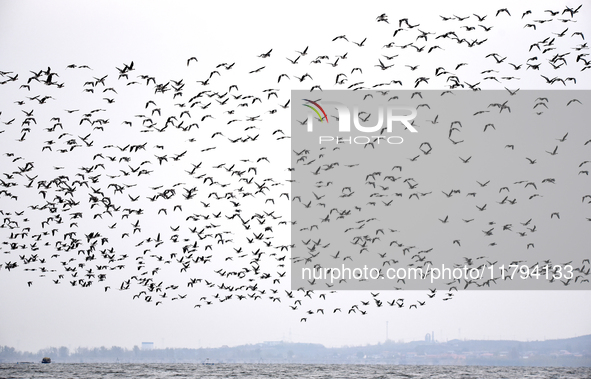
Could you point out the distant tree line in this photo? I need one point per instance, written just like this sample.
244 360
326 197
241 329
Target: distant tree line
565 352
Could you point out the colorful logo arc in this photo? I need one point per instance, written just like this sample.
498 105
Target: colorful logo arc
317 106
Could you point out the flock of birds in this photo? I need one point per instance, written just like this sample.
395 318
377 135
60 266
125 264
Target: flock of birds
187 196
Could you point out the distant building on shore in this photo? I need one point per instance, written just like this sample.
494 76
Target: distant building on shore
147 345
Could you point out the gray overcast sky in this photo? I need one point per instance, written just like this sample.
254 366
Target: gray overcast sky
159 39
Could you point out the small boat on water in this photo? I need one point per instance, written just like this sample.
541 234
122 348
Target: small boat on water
46 360
208 363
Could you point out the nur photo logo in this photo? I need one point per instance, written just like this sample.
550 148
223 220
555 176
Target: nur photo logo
350 120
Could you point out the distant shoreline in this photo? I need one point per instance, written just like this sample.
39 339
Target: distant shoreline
570 352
